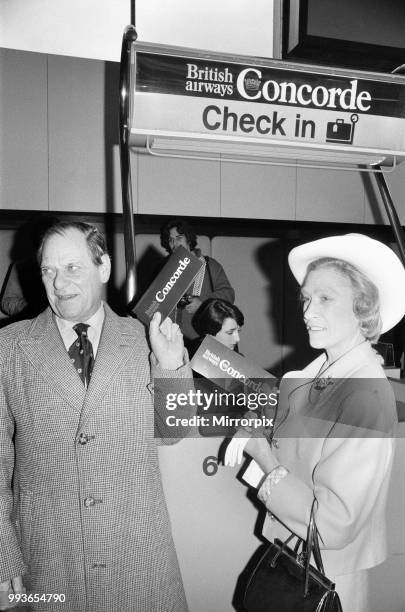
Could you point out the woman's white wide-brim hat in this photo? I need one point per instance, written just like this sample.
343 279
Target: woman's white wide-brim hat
376 260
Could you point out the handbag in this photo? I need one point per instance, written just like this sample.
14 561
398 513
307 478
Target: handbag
285 581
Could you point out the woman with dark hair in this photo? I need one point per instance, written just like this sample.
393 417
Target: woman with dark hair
223 321
210 282
219 319
337 417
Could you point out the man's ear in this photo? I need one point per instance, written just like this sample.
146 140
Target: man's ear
105 268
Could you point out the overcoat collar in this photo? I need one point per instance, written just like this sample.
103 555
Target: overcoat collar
345 366
296 386
45 350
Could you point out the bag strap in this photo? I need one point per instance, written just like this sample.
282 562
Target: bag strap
208 269
317 552
282 548
311 547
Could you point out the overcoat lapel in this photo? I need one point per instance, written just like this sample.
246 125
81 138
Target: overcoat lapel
45 350
116 346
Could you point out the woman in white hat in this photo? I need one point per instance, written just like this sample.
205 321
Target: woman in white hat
333 437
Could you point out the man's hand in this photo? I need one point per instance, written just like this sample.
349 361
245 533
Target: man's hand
10 587
194 305
167 342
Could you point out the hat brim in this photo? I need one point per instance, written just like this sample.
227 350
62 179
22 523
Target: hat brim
376 260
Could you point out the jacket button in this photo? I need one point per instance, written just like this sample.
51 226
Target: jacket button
83 439
89 501
275 443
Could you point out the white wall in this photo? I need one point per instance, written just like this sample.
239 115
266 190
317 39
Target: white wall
83 28
234 26
93 28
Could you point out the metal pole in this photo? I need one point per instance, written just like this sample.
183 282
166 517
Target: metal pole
133 13
129 37
391 212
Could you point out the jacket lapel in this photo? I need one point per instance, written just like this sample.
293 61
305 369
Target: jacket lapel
46 352
115 348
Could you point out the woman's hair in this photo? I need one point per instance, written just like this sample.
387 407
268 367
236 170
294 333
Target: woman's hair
183 228
366 301
211 315
94 238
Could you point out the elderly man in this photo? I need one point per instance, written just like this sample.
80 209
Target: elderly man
83 520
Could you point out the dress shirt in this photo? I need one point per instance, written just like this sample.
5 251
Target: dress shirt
94 331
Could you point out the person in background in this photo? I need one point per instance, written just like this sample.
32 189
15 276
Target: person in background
337 417
223 321
82 508
219 319
22 295
210 282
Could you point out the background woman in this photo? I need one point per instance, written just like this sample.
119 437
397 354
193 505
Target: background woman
343 409
223 321
219 319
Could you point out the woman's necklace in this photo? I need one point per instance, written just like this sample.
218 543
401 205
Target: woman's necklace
320 383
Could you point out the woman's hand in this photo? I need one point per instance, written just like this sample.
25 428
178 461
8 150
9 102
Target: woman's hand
235 448
257 447
260 450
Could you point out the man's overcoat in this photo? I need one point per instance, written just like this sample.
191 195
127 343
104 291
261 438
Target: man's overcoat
82 510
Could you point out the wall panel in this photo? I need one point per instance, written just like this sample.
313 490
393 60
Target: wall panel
23 135
82 133
257 191
330 195
178 186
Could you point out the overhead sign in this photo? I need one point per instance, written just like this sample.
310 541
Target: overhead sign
182 93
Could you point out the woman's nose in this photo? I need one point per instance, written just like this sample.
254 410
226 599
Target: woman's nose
308 309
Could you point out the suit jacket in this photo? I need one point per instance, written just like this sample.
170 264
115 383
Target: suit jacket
87 515
343 457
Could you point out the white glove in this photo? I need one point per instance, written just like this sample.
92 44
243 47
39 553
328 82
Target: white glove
234 451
